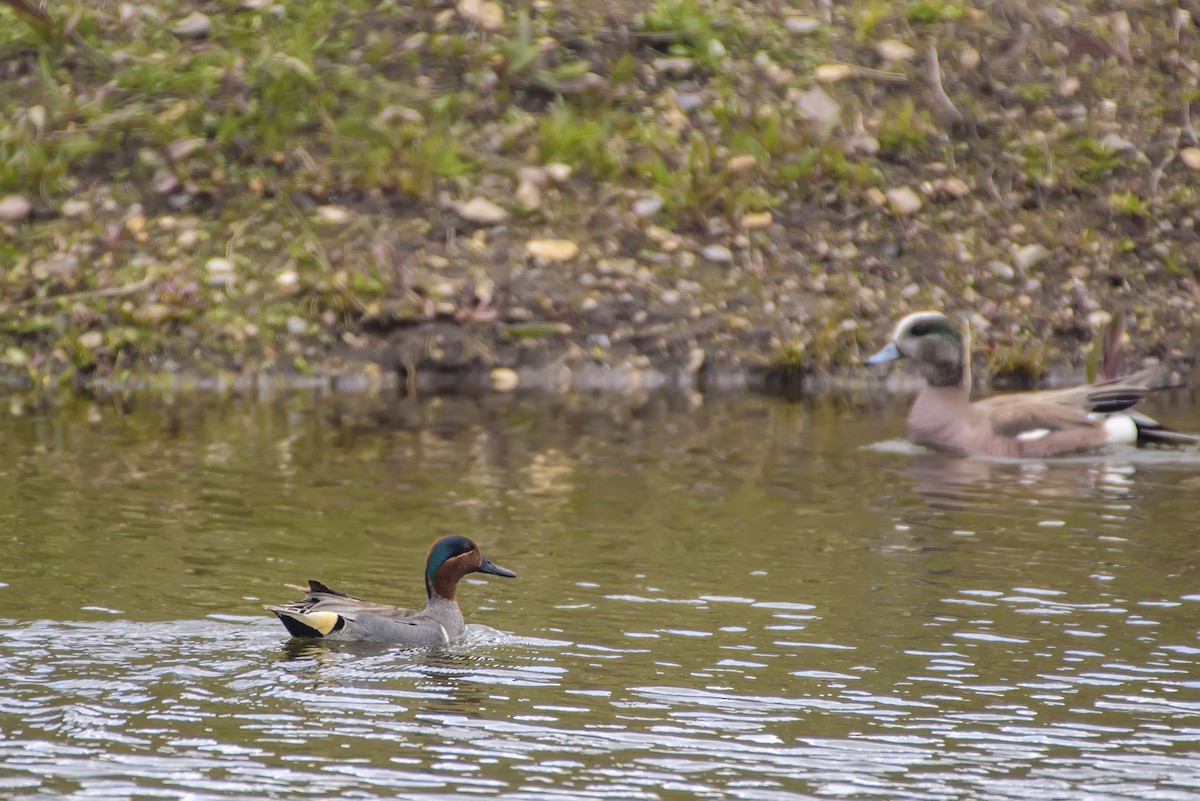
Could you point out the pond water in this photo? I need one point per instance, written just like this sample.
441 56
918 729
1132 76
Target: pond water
736 598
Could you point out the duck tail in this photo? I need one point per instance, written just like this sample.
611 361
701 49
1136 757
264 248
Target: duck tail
309 624
1152 432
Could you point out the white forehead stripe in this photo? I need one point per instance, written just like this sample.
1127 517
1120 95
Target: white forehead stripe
910 320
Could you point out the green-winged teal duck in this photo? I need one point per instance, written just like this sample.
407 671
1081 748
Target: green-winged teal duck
334 615
1027 424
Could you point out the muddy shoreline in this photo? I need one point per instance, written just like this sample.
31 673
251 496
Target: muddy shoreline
673 194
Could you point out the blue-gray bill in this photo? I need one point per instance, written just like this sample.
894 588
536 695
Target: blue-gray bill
889 353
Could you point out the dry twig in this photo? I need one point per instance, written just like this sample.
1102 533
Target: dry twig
939 90
107 292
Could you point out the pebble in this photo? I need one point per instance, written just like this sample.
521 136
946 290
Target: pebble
801 25
954 187
1098 319
668 240
670 297
194 26
442 289
333 215
62 265
92 340
832 73
220 271
864 143
738 323
717 253
528 195
559 172
187 239
911 291
1002 270
894 50
538 176
1117 143
14 208
875 196
648 206
288 279
165 181
757 219
558 250
481 210
296 325
1029 256
903 201
486 14
37 117
741 163
815 105
969 58
152 313
504 379
1190 156
76 209
677 66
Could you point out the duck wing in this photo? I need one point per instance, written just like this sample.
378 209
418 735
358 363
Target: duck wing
1058 409
326 612
322 598
1059 421
1017 415
1118 394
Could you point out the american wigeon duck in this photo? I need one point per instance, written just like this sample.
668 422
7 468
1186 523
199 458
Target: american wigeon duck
334 615
1027 424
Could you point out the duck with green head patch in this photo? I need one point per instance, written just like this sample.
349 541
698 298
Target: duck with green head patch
334 615
1026 424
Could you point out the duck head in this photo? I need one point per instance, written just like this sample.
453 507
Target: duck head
931 340
452 557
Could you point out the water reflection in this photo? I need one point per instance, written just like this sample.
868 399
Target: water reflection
737 600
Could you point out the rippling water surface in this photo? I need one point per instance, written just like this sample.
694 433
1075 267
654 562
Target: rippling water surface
742 599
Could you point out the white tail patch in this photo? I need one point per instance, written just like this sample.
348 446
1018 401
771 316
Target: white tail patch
1033 434
1120 428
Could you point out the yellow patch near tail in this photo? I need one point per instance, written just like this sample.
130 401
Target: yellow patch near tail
323 622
